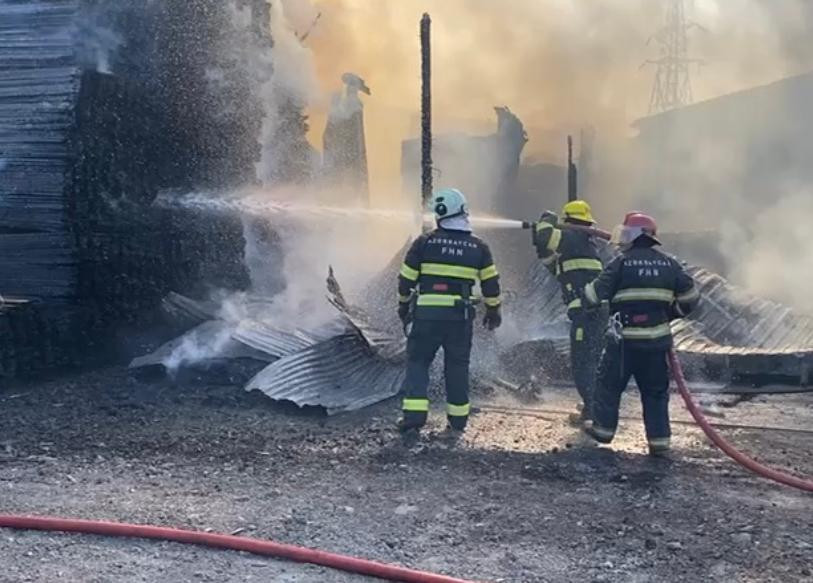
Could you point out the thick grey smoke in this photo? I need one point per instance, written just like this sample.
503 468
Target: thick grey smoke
774 251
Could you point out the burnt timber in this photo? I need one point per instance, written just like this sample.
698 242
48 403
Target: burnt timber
84 152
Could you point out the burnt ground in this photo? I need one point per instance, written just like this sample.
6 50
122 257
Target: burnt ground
523 499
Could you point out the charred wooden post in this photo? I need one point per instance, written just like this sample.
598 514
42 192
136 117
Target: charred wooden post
426 110
572 173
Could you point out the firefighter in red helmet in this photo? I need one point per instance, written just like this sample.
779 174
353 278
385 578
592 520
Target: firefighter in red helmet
646 290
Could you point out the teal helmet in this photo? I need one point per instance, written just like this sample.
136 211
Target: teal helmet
448 203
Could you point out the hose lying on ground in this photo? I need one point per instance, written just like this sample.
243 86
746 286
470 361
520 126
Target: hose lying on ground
727 448
224 541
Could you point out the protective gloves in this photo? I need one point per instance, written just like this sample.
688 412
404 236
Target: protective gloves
492 319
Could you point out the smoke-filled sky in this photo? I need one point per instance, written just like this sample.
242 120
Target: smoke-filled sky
559 64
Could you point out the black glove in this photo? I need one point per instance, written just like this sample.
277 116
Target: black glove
549 217
403 312
492 319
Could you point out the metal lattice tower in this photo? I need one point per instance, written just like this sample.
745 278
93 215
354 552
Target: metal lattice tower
672 87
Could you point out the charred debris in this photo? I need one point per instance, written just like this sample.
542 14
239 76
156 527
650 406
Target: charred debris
91 135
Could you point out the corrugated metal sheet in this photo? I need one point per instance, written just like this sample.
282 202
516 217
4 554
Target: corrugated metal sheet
347 366
386 339
735 322
339 374
185 309
279 343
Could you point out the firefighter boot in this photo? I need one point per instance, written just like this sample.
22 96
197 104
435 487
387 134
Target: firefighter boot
600 435
410 431
659 447
451 436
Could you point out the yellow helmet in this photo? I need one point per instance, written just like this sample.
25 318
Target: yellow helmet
579 210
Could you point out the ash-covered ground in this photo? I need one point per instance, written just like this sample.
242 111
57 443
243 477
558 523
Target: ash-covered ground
522 499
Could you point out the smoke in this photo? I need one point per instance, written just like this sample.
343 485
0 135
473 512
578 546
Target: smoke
281 78
199 345
560 65
96 40
776 250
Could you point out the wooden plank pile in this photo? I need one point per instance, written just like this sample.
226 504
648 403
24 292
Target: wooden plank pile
83 155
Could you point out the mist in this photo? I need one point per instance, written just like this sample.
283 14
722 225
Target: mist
562 66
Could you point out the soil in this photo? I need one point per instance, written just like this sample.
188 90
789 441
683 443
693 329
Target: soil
520 499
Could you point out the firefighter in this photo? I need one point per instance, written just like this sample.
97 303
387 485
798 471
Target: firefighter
573 257
435 288
646 290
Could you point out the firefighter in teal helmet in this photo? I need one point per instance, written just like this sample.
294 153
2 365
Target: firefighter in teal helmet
436 292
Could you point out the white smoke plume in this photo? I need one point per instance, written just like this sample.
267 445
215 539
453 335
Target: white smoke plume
776 250
96 40
198 346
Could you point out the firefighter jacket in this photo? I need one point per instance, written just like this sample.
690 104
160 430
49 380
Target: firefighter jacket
572 256
648 289
442 268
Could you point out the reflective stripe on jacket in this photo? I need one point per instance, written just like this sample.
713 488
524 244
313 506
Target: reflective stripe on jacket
648 288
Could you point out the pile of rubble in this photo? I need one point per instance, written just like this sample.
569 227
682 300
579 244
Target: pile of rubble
357 358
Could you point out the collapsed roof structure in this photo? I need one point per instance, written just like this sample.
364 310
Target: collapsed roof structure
358 359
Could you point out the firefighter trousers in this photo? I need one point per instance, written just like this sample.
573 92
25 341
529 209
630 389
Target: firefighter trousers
425 338
587 330
651 372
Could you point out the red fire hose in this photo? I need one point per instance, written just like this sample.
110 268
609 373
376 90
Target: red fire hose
343 562
727 448
235 543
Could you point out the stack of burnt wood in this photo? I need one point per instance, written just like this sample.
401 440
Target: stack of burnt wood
88 137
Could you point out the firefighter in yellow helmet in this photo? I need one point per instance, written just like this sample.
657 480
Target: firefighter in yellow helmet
573 257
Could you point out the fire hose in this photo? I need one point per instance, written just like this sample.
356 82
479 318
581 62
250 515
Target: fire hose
739 457
229 542
677 372
343 562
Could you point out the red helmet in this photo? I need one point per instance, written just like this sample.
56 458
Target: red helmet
636 224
